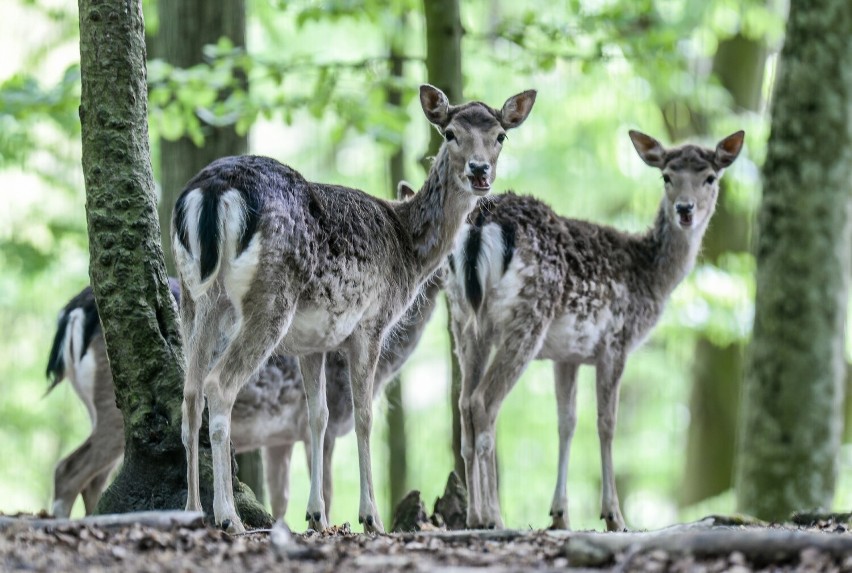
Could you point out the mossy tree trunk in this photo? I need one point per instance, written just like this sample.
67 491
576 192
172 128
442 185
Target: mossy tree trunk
791 419
127 271
186 26
444 70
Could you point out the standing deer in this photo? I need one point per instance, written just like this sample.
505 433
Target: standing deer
281 264
270 411
526 283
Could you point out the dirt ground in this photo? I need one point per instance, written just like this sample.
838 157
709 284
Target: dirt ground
175 541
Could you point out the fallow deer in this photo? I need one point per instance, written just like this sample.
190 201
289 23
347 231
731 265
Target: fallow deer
526 283
270 412
280 264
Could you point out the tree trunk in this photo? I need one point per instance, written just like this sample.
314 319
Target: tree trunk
717 370
443 67
127 272
791 418
186 26
397 457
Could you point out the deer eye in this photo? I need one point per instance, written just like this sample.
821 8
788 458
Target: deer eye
501 138
666 179
710 180
449 135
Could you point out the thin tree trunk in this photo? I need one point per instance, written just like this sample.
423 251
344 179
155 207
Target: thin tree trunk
397 454
791 418
186 26
739 64
127 271
443 66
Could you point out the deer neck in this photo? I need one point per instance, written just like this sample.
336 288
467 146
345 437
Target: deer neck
435 214
672 250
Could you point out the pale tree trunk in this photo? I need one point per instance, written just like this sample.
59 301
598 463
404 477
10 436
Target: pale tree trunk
186 26
739 64
127 272
791 419
397 456
443 67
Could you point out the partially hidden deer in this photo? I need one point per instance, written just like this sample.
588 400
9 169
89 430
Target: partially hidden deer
270 412
278 264
526 283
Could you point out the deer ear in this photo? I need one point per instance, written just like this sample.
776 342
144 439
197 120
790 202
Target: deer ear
516 109
649 149
404 191
435 105
729 149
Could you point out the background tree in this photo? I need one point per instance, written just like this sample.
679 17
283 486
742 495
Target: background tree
792 410
397 443
717 372
444 71
127 270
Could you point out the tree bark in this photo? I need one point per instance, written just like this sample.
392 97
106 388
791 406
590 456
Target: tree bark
397 456
444 69
186 26
739 64
791 418
127 271
126 268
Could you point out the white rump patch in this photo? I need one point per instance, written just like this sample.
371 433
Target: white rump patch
80 371
188 262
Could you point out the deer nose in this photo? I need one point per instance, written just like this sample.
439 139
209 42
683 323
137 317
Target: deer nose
478 169
684 208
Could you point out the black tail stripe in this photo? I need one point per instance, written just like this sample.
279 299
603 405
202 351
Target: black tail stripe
55 361
252 215
508 232
472 288
208 232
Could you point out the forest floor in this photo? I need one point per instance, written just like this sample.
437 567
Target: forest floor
178 541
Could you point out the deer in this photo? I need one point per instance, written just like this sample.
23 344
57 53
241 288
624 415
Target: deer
270 412
276 263
525 283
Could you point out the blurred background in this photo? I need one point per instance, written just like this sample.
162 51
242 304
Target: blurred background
318 75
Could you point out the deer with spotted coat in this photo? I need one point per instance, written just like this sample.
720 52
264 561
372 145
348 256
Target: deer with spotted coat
280 264
525 283
270 411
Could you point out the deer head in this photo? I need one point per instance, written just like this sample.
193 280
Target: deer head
474 134
691 175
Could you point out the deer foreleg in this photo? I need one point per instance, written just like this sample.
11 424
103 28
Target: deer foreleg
276 464
565 378
364 348
313 374
607 384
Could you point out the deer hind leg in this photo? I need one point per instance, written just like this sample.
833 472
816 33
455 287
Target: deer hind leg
608 381
257 336
313 375
276 464
199 341
363 349
472 353
327 481
75 473
565 378
516 352
92 492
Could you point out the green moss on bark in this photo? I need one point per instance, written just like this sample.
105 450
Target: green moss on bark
791 417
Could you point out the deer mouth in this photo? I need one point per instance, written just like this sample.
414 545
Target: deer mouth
479 184
685 220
